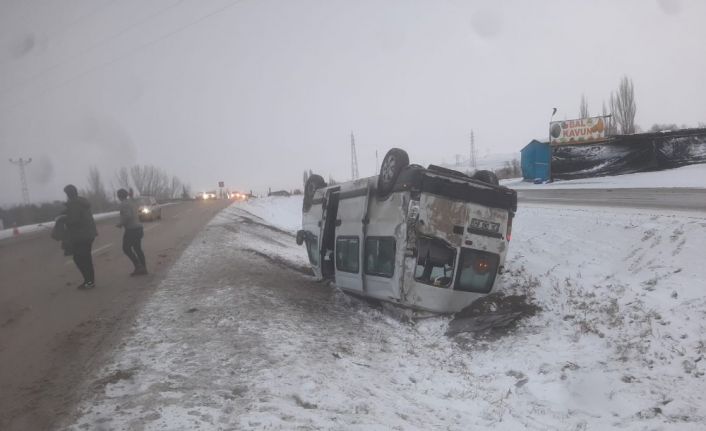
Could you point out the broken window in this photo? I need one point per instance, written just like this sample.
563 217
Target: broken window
435 262
312 249
477 271
347 253
380 256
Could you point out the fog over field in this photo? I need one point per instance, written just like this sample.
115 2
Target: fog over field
254 92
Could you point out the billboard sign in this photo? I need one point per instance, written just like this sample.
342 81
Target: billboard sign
580 131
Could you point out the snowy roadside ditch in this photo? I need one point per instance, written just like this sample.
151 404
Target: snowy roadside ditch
231 340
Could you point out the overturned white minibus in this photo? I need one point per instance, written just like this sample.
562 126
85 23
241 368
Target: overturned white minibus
432 239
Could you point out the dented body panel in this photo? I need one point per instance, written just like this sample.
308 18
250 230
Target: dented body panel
417 247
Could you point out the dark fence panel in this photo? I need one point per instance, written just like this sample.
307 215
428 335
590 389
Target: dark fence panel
629 154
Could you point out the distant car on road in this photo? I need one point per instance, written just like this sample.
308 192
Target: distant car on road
148 209
207 195
237 196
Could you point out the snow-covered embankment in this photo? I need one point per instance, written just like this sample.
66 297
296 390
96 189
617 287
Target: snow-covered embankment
619 343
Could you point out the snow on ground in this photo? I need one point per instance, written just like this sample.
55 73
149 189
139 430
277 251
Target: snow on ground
284 213
33 228
686 176
231 340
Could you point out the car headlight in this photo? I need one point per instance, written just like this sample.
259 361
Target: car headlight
145 210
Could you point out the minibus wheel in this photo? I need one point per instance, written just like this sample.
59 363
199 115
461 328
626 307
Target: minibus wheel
313 183
487 177
395 160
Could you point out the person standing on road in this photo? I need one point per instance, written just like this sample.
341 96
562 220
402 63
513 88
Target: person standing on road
81 230
132 238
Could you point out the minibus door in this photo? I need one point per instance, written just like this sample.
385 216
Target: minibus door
350 237
328 232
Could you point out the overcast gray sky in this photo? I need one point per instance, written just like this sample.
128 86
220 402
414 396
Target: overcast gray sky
253 92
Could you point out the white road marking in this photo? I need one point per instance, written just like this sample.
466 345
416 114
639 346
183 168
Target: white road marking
98 250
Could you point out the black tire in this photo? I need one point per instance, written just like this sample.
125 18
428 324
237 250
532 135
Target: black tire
487 177
392 164
313 183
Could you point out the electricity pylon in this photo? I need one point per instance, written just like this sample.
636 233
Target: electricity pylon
354 159
21 163
472 160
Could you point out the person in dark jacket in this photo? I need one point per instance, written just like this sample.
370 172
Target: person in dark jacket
81 230
132 238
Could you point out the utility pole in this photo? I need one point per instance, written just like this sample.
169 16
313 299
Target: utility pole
354 159
21 163
376 163
472 160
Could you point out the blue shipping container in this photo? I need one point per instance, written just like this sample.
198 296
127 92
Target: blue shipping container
536 160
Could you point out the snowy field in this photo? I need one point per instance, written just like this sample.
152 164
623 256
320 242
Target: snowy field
686 176
233 341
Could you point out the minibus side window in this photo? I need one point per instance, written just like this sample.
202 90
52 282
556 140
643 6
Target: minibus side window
312 249
347 252
435 262
380 256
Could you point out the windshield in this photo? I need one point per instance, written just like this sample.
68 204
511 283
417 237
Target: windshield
143 201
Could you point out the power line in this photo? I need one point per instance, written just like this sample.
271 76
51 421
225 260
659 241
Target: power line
132 52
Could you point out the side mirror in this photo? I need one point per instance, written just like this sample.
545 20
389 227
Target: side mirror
300 237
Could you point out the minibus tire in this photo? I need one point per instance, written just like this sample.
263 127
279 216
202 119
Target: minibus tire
487 177
313 183
392 164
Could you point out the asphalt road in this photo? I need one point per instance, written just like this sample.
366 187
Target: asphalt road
681 199
51 333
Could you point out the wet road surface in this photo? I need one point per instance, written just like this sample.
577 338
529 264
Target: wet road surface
51 333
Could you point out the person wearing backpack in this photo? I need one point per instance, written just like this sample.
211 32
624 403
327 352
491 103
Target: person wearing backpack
60 233
80 233
132 238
